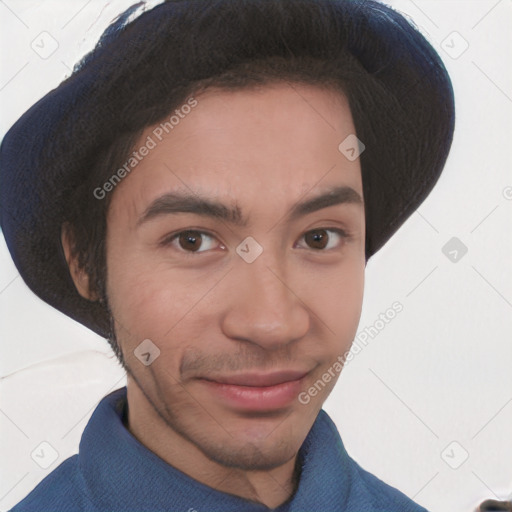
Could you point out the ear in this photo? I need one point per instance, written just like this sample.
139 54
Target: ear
79 275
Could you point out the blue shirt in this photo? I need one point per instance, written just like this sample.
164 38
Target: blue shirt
114 472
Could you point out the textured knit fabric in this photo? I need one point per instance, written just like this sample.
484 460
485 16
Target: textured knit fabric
113 471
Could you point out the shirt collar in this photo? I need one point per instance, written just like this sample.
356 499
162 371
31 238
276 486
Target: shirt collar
120 473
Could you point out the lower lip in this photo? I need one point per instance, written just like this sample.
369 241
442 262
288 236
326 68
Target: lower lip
252 398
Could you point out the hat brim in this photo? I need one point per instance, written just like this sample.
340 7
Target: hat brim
70 122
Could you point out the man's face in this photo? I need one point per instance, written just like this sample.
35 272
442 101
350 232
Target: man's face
240 335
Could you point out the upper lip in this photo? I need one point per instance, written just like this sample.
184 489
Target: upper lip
259 379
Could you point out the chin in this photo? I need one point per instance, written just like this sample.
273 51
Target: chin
247 456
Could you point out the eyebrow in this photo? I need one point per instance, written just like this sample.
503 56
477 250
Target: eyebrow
175 202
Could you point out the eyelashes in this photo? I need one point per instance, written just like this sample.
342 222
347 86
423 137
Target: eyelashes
188 236
192 242
317 237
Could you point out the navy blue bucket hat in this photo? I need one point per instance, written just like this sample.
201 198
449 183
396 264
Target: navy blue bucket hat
399 92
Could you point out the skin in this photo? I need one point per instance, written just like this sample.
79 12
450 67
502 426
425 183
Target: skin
211 313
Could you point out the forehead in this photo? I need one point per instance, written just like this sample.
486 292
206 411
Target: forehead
259 146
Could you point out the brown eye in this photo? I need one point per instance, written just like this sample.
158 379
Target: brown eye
324 238
317 239
190 240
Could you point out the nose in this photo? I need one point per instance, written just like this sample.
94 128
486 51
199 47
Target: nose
264 308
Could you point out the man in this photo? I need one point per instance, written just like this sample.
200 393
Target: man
205 191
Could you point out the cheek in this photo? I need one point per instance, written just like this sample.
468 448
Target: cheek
154 301
335 297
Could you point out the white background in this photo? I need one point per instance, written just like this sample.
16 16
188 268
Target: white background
430 389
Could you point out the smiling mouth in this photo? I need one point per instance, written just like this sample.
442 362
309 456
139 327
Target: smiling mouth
256 391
